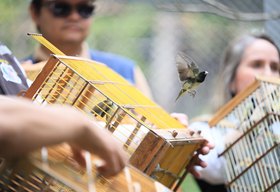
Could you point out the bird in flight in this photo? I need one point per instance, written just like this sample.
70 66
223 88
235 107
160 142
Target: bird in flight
189 74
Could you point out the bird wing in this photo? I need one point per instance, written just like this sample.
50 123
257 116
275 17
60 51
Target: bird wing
195 69
186 67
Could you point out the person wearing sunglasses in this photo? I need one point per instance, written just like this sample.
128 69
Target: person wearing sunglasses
66 24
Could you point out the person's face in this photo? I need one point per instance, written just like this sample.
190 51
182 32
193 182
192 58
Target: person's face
72 28
259 58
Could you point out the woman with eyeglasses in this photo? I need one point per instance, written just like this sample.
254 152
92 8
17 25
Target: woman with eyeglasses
244 58
66 24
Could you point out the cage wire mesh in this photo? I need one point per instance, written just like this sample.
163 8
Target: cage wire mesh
143 127
250 125
203 30
151 32
55 170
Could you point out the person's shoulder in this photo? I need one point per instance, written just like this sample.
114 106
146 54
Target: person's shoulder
110 58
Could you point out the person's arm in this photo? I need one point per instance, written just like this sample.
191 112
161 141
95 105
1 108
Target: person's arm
25 127
141 82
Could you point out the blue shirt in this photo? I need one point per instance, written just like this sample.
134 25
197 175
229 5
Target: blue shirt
123 66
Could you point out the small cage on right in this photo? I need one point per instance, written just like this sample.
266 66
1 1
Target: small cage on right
251 121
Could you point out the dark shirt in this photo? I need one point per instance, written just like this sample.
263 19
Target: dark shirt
12 78
207 187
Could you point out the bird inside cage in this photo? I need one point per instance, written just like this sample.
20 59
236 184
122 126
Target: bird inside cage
105 109
157 144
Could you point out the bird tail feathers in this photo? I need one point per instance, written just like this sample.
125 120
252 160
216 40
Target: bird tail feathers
179 95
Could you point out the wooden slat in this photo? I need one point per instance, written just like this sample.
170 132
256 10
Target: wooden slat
239 97
232 103
46 43
146 151
41 77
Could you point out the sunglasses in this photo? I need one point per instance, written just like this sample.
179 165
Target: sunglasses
63 9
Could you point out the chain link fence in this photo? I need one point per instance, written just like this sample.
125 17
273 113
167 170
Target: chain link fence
152 32
202 29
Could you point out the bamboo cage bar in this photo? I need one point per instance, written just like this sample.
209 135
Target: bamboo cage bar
157 144
253 158
59 172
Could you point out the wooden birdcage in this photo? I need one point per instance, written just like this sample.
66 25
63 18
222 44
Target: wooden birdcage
251 121
156 143
54 170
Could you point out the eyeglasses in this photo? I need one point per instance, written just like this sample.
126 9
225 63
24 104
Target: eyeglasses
63 9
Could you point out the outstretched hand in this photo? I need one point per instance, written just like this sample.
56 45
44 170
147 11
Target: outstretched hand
102 144
196 161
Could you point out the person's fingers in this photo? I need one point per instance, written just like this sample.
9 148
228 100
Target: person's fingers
78 155
107 171
196 161
105 147
111 166
200 163
181 117
195 173
115 159
210 145
206 148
